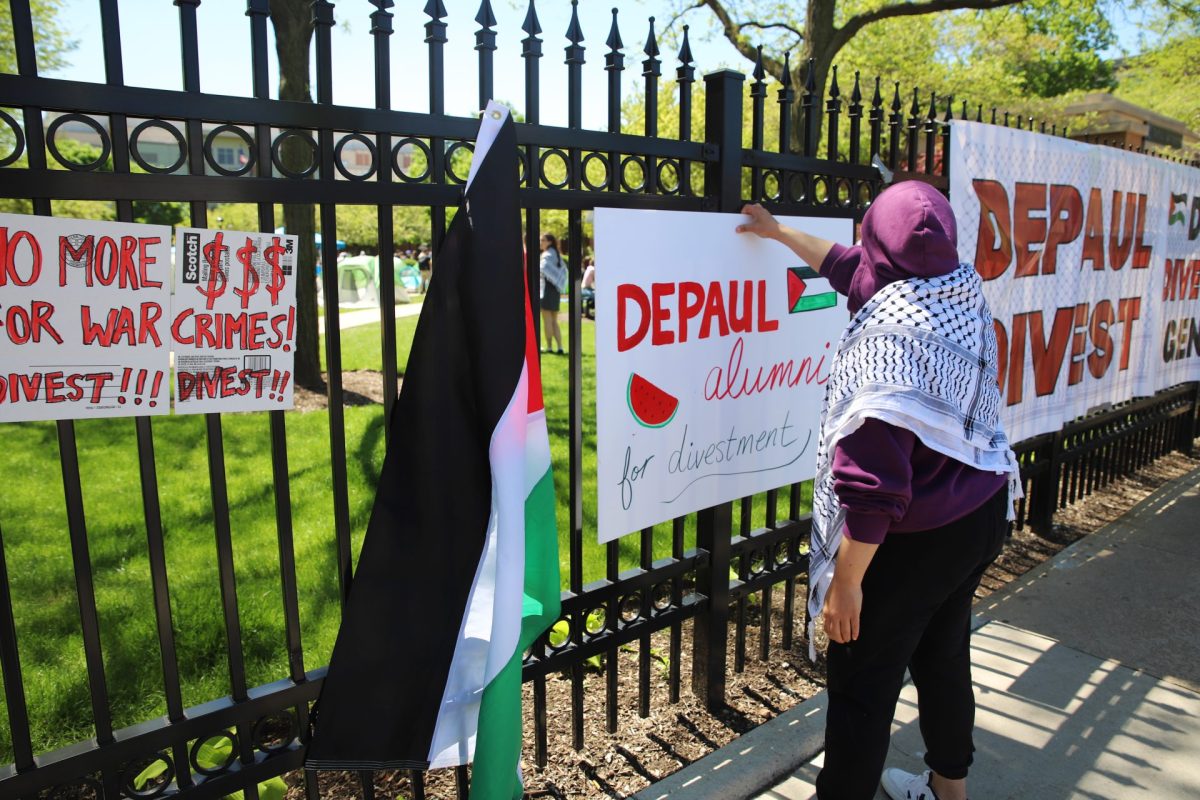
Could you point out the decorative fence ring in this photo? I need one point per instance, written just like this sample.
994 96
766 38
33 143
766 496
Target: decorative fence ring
210 771
566 168
337 156
844 195
757 562
661 596
866 193
566 640
822 191
105 142
241 134
641 163
661 184
18 139
136 136
522 169
772 177
595 623
277 153
631 607
258 732
419 145
451 175
799 189
603 159
163 780
781 555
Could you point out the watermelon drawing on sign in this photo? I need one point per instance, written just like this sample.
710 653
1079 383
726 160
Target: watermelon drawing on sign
649 405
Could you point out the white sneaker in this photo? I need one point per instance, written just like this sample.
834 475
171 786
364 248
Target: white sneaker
901 785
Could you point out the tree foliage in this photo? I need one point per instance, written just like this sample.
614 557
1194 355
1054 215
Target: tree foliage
51 41
1164 78
992 51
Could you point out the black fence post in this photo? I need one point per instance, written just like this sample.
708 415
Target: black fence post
710 636
1045 491
1191 426
723 128
714 526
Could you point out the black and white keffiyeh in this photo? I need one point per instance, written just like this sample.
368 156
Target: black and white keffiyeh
920 355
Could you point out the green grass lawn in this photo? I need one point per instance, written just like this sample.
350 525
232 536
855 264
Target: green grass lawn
37 548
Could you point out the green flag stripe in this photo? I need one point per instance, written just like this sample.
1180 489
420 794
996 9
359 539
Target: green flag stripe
498 738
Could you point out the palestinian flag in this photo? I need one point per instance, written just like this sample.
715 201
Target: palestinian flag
459 567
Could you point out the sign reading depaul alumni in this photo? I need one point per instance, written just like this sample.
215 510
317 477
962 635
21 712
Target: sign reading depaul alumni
712 352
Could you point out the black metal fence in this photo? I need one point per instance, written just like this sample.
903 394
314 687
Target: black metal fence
563 168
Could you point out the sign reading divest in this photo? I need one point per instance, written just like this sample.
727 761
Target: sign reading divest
233 326
83 318
1090 258
712 352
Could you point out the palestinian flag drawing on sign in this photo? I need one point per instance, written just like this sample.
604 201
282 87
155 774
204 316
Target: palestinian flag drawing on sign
459 567
800 295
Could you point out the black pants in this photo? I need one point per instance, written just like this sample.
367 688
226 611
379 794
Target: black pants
916 614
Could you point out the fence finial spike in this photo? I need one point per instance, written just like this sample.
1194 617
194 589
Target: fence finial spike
896 105
759 74
435 9
949 109
685 51
485 17
614 35
531 25
651 48
877 100
574 32
915 109
856 92
932 115
787 69
834 91
810 84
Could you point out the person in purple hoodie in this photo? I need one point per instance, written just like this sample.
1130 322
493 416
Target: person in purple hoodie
914 487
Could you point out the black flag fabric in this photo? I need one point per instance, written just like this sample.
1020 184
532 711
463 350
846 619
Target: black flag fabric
459 566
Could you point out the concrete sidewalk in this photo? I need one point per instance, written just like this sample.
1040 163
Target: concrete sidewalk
1087 675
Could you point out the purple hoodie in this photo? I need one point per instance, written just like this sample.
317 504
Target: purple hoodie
885 477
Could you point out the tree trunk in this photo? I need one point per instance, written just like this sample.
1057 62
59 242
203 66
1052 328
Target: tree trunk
818 36
293 24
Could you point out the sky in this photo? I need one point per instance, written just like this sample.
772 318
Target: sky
150 44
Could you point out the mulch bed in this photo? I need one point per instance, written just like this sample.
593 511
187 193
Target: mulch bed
644 750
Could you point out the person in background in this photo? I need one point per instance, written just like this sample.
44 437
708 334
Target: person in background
554 281
587 288
915 484
425 266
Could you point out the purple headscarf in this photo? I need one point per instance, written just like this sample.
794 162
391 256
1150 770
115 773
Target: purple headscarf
908 232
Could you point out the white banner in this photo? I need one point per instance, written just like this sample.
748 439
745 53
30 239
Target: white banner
234 321
84 318
712 351
1091 264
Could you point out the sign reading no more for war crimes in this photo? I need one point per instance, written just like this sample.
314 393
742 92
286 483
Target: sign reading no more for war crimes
712 352
234 320
84 318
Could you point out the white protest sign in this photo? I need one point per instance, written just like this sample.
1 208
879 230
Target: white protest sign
234 320
712 351
1090 258
84 318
